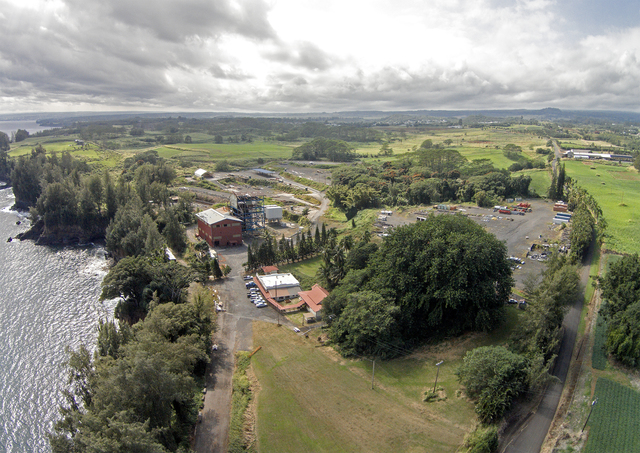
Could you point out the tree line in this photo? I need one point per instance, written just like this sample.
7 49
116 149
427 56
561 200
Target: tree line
621 308
495 376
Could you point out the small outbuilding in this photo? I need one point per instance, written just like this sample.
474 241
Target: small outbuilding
202 173
313 300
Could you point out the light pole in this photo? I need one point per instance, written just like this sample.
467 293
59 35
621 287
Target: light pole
593 403
437 373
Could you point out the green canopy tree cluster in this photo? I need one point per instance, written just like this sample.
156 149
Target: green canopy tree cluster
587 223
437 175
271 251
324 148
139 392
621 308
494 377
445 276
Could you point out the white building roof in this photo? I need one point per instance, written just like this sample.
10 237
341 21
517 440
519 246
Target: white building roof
200 172
271 281
211 217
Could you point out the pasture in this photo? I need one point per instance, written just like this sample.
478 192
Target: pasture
474 143
227 151
617 190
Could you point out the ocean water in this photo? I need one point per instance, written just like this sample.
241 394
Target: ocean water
48 300
12 126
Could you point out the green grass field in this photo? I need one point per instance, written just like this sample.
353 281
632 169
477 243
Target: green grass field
477 143
311 399
617 190
540 180
230 151
615 421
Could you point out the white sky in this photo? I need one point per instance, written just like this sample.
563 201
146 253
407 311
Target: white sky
312 55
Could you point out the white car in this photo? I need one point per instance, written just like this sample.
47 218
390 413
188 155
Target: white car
296 330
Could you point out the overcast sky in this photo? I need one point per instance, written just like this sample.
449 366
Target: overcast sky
318 55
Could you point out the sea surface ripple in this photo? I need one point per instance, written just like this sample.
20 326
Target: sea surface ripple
48 300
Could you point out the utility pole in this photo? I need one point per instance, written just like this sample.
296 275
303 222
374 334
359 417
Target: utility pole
437 373
593 403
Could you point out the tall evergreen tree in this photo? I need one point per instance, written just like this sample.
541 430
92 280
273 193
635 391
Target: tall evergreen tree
560 182
552 194
215 267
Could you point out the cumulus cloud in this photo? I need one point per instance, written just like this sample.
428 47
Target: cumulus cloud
296 55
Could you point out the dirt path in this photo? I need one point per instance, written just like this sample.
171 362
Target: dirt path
528 435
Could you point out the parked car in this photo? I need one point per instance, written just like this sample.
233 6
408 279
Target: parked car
261 305
248 277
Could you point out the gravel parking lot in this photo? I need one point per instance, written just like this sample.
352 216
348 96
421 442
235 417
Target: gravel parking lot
519 232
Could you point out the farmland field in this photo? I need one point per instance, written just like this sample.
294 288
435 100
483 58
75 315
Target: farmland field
213 152
615 421
540 180
474 143
617 190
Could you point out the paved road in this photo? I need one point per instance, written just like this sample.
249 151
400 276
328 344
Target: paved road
531 433
234 334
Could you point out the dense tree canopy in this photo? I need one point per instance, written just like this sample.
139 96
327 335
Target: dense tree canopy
621 294
493 376
324 148
445 275
139 392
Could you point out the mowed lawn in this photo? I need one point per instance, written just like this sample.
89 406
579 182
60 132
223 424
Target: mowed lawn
311 399
617 190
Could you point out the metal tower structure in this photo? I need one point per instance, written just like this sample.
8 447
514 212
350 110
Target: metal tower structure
250 210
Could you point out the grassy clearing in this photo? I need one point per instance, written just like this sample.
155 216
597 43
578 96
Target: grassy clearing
540 181
594 270
253 150
615 421
313 400
305 271
617 189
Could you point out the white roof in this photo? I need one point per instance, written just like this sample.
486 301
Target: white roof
200 172
211 217
272 281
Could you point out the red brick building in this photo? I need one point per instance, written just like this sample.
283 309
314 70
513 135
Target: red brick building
219 229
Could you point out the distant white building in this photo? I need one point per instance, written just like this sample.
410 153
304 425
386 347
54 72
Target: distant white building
202 173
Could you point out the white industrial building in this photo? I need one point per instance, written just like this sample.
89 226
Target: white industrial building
273 213
280 286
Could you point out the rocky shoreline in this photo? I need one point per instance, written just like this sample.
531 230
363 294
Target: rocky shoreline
72 235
